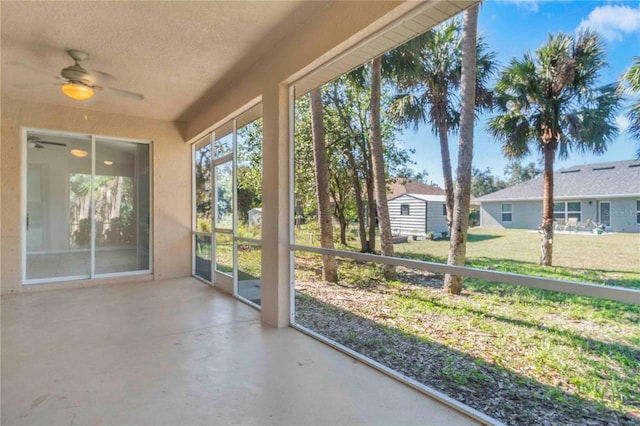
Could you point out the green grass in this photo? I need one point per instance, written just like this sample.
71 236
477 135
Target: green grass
577 349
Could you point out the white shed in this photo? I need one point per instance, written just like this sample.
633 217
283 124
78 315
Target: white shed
418 214
255 216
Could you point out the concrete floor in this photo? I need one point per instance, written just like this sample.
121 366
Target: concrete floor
179 352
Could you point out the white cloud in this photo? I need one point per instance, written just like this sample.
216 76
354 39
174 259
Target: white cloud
622 122
530 5
612 21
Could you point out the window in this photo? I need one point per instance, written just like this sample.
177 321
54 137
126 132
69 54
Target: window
507 212
638 211
567 209
444 210
404 209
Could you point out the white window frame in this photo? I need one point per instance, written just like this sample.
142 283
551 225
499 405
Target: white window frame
566 213
503 212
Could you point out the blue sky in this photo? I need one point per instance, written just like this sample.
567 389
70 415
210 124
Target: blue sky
513 27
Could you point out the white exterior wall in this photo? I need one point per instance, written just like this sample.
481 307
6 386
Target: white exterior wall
624 214
525 215
414 223
436 221
528 214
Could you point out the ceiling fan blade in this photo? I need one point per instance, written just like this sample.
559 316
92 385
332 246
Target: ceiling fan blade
34 69
50 143
103 76
126 93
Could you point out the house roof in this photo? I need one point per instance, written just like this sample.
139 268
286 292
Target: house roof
614 180
403 186
423 197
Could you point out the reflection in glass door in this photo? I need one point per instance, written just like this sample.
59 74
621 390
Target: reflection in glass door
87 207
122 216
58 210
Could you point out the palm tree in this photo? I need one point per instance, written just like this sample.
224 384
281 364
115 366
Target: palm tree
550 101
329 268
429 92
458 244
377 161
631 84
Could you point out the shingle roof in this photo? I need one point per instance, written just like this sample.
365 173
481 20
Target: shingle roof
615 179
423 197
403 186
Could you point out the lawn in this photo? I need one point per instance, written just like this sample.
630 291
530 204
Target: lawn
523 356
607 252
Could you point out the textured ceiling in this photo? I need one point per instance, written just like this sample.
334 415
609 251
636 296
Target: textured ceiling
173 53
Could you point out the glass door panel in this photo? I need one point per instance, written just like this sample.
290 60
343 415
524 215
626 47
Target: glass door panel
249 268
203 256
249 210
58 201
223 235
202 172
224 252
122 216
605 213
224 195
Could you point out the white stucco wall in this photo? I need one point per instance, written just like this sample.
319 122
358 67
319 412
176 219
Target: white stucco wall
171 180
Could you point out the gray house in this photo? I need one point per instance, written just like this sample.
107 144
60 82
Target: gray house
417 214
606 193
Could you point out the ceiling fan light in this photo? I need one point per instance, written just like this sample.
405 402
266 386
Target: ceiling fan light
76 91
79 153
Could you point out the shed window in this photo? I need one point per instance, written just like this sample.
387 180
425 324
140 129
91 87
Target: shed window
507 212
638 211
444 210
404 209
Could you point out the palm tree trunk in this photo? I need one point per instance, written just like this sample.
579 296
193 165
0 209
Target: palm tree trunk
377 160
546 227
459 228
446 170
329 268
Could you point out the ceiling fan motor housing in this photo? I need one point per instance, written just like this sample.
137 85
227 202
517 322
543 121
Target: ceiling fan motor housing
76 73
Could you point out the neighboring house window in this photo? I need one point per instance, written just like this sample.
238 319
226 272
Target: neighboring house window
404 209
567 209
638 211
444 210
507 212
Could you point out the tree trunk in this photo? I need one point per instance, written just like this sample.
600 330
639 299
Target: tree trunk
377 161
546 227
357 189
460 225
329 268
371 209
446 170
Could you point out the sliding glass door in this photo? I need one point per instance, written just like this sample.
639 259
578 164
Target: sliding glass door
87 207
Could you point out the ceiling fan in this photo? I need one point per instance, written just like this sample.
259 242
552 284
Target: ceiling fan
81 84
36 142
